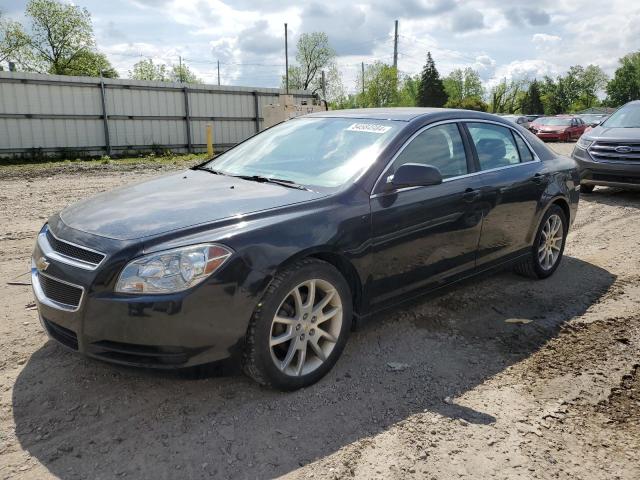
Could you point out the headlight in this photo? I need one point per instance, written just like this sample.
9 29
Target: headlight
584 143
172 270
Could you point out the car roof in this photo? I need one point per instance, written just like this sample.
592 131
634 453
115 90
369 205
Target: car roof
405 114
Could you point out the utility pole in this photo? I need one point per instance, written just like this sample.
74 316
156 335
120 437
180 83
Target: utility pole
363 78
286 59
324 88
180 61
218 72
395 47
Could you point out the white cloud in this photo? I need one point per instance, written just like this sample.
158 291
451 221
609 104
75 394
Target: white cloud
544 39
497 38
524 70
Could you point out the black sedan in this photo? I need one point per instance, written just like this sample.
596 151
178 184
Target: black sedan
271 251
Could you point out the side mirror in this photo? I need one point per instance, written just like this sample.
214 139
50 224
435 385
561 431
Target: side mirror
416 175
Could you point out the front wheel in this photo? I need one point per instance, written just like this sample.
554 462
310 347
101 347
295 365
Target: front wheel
548 246
300 328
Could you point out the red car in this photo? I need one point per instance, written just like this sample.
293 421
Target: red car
564 129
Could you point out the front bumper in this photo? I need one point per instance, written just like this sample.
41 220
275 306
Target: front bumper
204 324
622 174
551 136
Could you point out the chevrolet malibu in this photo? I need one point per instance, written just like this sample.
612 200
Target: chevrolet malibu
270 252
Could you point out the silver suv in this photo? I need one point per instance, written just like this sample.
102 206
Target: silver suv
609 154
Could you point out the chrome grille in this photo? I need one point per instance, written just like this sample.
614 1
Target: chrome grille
615 151
73 251
59 291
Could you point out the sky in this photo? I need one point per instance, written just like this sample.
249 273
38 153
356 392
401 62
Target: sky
498 38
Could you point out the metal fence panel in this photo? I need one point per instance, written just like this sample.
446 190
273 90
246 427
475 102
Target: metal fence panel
54 114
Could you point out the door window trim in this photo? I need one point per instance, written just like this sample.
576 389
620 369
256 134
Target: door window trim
461 123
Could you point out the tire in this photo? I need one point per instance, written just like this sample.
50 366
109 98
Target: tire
586 188
285 322
532 266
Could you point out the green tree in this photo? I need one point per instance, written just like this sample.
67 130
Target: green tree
314 55
59 40
461 84
532 100
431 92
593 80
147 70
506 96
625 84
408 94
91 64
469 103
380 86
182 74
335 91
12 40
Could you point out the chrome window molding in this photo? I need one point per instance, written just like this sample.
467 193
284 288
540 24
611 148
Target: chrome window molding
450 179
49 252
42 298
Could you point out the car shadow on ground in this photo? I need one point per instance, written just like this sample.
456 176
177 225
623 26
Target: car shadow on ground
613 196
85 419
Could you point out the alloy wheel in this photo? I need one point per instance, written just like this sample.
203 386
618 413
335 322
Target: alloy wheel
550 242
306 327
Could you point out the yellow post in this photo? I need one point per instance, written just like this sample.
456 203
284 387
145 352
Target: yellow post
209 140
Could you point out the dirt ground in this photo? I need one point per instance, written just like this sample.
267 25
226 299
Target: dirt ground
502 377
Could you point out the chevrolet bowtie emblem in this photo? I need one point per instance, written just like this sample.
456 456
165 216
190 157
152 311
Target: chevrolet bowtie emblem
42 264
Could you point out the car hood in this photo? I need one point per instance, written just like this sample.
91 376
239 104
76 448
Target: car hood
614 134
176 201
551 128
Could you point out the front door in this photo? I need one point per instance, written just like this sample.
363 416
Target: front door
425 235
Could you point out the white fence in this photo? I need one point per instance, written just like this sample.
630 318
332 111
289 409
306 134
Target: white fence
84 116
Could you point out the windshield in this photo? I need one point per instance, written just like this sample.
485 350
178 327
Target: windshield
325 152
627 117
561 122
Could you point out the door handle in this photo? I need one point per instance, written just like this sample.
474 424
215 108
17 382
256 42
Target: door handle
470 195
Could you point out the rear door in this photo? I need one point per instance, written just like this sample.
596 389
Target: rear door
424 235
511 180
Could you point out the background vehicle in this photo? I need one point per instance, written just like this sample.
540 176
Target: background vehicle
560 128
267 252
521 120
592 119
609 154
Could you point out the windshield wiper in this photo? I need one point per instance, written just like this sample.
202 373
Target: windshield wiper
278 181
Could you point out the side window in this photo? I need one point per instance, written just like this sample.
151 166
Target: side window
494 144
523 149
439 146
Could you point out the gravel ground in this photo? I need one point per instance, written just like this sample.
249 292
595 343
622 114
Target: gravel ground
501 377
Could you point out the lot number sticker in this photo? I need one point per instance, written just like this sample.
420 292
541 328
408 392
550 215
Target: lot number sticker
368 128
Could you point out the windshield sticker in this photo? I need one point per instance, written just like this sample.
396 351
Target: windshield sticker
368 128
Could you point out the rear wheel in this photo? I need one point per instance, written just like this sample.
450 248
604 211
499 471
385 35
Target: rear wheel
586 188
548 246
300 328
